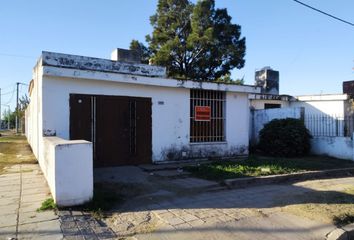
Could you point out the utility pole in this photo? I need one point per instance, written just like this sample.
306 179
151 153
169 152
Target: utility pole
17 84
0 110
8 112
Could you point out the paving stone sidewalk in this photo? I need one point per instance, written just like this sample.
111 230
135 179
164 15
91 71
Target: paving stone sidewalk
77 225
251 213
22 191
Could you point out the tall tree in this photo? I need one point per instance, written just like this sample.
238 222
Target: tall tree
168 41
195 42
9 119
144 52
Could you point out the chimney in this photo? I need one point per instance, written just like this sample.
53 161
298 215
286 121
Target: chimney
268 80
125 55
348 87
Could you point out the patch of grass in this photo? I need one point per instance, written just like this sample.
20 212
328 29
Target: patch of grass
10 136
108 196
263 166
103 199
14 149
48 204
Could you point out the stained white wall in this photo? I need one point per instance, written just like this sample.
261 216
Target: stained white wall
170 121
338 147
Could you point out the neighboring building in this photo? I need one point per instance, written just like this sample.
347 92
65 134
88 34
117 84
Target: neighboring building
325 104
323 114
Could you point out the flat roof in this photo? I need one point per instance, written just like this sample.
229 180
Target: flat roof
81 67
323 97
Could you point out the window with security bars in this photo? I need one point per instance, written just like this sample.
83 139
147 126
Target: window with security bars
207 116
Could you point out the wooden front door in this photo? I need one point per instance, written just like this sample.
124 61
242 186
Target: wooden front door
119 128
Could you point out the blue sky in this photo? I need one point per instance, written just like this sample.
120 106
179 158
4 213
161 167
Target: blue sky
313 53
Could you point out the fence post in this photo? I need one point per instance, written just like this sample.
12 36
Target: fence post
302 114
352 146
253 126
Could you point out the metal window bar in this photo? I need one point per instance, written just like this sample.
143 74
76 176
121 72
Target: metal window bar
324 125
207 131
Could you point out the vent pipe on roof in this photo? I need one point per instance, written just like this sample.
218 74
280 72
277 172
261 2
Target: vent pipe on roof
268 80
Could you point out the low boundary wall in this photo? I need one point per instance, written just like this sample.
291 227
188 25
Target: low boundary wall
68 168
338 147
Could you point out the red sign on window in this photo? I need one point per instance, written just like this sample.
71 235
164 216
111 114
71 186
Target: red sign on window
202 113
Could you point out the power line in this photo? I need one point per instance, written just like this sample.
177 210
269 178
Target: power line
8 86
15 55
2 94
327 14
13 93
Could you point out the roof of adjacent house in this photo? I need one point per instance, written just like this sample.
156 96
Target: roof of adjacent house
323 97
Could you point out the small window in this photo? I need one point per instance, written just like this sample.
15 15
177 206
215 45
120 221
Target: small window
207 116
271 105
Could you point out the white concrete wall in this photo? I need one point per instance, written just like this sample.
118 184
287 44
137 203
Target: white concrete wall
170 121
169 127
68 173
33 115
338 147
237 121
262 117
68 168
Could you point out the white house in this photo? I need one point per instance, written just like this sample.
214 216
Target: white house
87 112
328 104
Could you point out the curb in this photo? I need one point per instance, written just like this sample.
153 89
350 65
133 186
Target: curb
292 177
171 165
342 233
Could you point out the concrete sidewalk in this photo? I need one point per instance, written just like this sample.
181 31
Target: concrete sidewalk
22 190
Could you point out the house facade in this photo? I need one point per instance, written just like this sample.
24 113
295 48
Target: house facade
137 112
130 113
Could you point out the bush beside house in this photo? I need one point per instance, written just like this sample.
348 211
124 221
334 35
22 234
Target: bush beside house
285 138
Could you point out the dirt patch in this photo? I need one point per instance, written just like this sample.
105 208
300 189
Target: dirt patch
129 224
324 206
14 149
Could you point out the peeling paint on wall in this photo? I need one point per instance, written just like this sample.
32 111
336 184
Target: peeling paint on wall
49 133
98 64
